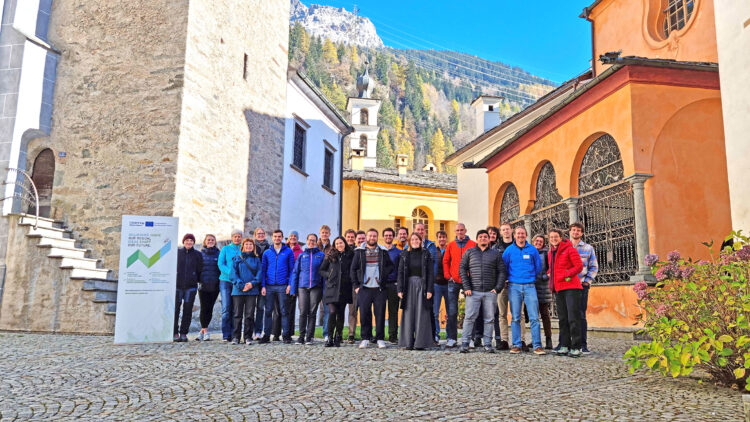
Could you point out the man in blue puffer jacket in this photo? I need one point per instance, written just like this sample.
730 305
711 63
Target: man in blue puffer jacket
524 265
278 264
307 283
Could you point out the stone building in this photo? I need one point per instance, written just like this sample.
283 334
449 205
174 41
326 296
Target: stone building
159 107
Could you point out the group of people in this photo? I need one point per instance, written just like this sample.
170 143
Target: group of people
262 283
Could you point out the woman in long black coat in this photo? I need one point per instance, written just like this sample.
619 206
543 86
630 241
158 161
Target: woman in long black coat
416 285
338 287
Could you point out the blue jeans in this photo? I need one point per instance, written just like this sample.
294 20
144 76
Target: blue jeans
517 296
451 309
584 324
277 294
486 302
225 289
441 293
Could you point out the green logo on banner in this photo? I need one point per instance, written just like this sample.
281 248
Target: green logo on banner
149 262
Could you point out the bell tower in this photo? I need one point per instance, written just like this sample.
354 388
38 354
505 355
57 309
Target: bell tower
363 115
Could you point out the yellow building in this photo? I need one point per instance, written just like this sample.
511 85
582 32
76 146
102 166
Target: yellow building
379 198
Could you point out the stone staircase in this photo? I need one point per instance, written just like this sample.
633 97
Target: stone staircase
67 282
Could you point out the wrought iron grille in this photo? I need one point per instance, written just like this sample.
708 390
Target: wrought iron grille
609 220
676 15
546 187
601 165
25 191
509 206
555 216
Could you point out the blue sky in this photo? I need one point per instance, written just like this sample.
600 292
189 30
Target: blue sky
544 37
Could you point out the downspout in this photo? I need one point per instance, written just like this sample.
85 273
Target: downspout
341 184
359 201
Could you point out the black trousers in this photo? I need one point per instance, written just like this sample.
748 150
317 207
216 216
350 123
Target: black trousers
208 300
276 326
244 312
569 317
336 320
372 300
184 298
308 308
393 303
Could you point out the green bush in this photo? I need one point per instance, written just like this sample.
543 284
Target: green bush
697 316
461 310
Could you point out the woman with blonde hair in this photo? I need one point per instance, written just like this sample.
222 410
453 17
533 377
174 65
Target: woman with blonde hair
208 288
246 281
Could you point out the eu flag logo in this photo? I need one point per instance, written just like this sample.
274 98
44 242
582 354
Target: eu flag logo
149 224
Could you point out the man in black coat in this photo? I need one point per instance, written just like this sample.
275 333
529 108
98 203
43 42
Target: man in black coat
483 275
371 267
189 268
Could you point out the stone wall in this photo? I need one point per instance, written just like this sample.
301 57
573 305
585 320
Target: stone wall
233 103
117 113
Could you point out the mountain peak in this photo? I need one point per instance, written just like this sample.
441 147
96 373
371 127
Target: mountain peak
336 24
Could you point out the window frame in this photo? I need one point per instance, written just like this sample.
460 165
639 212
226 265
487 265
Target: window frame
301 165
326 153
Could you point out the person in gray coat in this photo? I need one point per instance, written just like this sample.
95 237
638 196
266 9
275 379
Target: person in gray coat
416 285
543 292
483 276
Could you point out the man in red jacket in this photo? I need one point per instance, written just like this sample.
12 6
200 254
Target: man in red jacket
451 260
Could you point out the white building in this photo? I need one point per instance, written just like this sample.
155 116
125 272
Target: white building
364 114
313 150
486 113
733 43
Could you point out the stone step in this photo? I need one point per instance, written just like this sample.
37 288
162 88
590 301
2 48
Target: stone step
109 286
49 232
82 263
53 241
64 252
111 308
28 219
86 273
101 296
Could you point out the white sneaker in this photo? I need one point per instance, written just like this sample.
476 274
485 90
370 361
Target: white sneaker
325 339
381 344
471 344
450 343
364 344
256 337
206 337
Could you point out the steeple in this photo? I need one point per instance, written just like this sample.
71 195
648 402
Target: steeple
364 84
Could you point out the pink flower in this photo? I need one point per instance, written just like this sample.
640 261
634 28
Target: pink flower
687 272
640 289
663 273
743 254
673 256
661 310
703 262
651 259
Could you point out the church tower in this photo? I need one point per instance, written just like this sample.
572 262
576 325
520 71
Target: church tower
363 115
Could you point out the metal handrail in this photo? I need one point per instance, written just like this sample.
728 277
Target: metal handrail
34 194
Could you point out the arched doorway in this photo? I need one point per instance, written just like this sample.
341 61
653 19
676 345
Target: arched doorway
510 207
548 212
605 207
43 175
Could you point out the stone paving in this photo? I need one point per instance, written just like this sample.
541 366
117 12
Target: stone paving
64 377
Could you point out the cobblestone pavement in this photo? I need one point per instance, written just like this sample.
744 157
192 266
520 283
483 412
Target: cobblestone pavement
64 377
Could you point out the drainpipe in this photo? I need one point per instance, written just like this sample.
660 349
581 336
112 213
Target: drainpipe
2 285
359 201
341 183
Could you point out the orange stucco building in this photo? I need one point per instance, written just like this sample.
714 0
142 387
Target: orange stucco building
636 152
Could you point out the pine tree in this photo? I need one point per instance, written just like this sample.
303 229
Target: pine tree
387 115
454 120
403 145
329 52
335 95
385 155
449 149
437 149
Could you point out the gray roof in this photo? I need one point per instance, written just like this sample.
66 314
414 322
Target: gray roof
426 179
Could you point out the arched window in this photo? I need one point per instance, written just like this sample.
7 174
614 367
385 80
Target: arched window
509 206
364 117
601 165
676 15
546 187
363 143
420 216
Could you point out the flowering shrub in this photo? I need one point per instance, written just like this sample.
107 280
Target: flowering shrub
697 316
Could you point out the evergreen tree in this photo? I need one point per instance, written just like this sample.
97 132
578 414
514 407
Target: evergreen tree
387 115
335 95
382 64
449 149
454 120
403 146
341 51
385 156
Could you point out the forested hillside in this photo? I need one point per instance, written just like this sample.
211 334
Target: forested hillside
426 93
